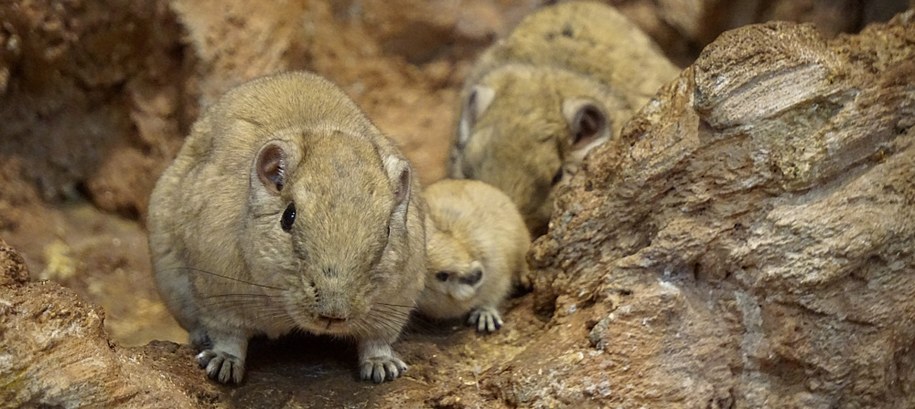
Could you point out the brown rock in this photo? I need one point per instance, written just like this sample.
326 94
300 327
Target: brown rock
76 80
683 27
13 270
55 353
748 240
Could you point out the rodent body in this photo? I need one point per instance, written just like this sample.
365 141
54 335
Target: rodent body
476 247
287 209
563 82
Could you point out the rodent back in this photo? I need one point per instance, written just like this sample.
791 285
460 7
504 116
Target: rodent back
589 38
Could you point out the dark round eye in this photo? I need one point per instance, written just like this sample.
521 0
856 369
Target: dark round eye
441 276
557 177
288 217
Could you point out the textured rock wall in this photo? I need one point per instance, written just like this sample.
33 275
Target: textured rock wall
749 240
54 352
683 27
90 98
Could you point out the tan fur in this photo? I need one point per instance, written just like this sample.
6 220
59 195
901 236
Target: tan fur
525 87
471 225
225 267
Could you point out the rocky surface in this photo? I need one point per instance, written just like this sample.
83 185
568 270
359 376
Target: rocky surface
684 27
748 241
56 353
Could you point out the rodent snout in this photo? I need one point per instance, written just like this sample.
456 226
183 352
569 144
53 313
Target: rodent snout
331 318
332 305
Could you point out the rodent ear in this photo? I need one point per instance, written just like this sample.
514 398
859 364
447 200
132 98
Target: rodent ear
477 101
476 266
587 122
401 178
271 167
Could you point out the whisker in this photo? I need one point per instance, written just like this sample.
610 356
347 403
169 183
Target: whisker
197 270
240 295
395 305
227 301
393 312
387 321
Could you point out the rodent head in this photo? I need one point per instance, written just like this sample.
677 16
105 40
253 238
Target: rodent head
451 270
326 224
524 130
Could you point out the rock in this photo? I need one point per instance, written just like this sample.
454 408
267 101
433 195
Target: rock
55 353
13 270
749 239
683 27
89 97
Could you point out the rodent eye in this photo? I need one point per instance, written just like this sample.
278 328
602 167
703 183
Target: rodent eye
557 177
288 217
441 276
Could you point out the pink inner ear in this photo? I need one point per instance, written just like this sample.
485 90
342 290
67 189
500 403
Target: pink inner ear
403 185
271 168
589 123
472 107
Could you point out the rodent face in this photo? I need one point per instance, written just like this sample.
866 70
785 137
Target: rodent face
452 272
327 216
524 131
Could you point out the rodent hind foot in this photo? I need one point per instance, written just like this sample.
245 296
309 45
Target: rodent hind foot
486 319
382 368
222 367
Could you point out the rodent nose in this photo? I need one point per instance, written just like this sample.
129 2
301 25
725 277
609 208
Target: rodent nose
474 277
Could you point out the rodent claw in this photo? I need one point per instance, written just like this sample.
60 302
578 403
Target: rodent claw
486 319
204 357
391 370
382 369
221 366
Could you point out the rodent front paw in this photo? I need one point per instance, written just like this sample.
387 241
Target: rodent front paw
222 366
486 319
382 368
